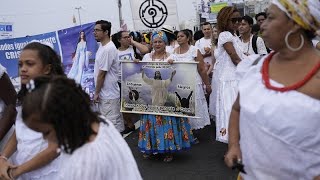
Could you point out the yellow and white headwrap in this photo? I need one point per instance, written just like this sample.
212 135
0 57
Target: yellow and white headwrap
305 13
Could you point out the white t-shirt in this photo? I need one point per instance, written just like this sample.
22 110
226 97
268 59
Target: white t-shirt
247 47
201 44
107 60
107 157
126 55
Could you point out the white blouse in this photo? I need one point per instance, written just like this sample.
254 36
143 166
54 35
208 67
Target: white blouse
107 157
278 130
30 143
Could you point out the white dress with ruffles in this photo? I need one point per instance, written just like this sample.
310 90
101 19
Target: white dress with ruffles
200 101
30 143
107 157
224 85
279 131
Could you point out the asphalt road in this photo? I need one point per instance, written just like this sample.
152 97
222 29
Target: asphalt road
203 161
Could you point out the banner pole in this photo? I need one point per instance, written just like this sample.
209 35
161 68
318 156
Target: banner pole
78 8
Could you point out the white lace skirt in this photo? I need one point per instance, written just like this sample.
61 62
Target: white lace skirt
201 109
226 95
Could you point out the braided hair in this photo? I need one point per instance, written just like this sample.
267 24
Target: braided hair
61 102
48 57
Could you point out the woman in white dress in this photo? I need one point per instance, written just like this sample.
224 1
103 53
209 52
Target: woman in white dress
8 98
187 53
91 146
80 60
274 124
224 81
34 157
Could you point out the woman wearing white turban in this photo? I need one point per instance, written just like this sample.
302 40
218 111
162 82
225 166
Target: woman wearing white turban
274 124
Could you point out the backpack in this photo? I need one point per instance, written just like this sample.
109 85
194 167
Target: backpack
254 44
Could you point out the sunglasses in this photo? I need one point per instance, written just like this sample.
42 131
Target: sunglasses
235 20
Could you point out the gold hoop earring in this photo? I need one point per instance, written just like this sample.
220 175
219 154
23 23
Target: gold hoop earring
288 45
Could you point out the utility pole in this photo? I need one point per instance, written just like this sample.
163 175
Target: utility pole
120 12
78 8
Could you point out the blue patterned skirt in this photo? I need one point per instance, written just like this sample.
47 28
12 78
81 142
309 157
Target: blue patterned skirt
164 134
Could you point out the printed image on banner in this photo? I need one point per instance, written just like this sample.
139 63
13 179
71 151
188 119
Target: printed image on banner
158 88
10 50
78 47
153 14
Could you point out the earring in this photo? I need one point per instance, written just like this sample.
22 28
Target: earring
287 42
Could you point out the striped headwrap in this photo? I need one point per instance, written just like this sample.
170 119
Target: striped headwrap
305 13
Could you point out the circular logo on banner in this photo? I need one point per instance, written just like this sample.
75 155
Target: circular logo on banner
153 13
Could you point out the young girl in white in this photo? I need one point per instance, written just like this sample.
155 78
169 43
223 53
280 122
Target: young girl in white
34 158
91 146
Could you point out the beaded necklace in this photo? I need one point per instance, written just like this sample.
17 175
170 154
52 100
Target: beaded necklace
163 56
266 79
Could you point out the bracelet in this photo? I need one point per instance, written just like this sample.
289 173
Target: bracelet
3 157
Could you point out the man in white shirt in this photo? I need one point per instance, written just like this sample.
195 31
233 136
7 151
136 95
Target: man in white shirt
250 44
204 44
106 75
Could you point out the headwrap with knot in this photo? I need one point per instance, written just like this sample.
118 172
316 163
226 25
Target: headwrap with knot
160 34
305 13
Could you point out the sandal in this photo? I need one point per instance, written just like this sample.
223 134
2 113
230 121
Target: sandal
168 158
146 156
196 141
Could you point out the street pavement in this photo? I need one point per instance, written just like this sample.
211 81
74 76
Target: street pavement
204 161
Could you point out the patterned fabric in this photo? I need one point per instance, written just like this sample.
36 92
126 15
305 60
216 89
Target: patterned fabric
164 134
306 13
161 35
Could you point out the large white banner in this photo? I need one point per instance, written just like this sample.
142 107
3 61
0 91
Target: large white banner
153 14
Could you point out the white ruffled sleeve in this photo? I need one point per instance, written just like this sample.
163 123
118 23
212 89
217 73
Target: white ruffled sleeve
261 46
244 66
225 37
